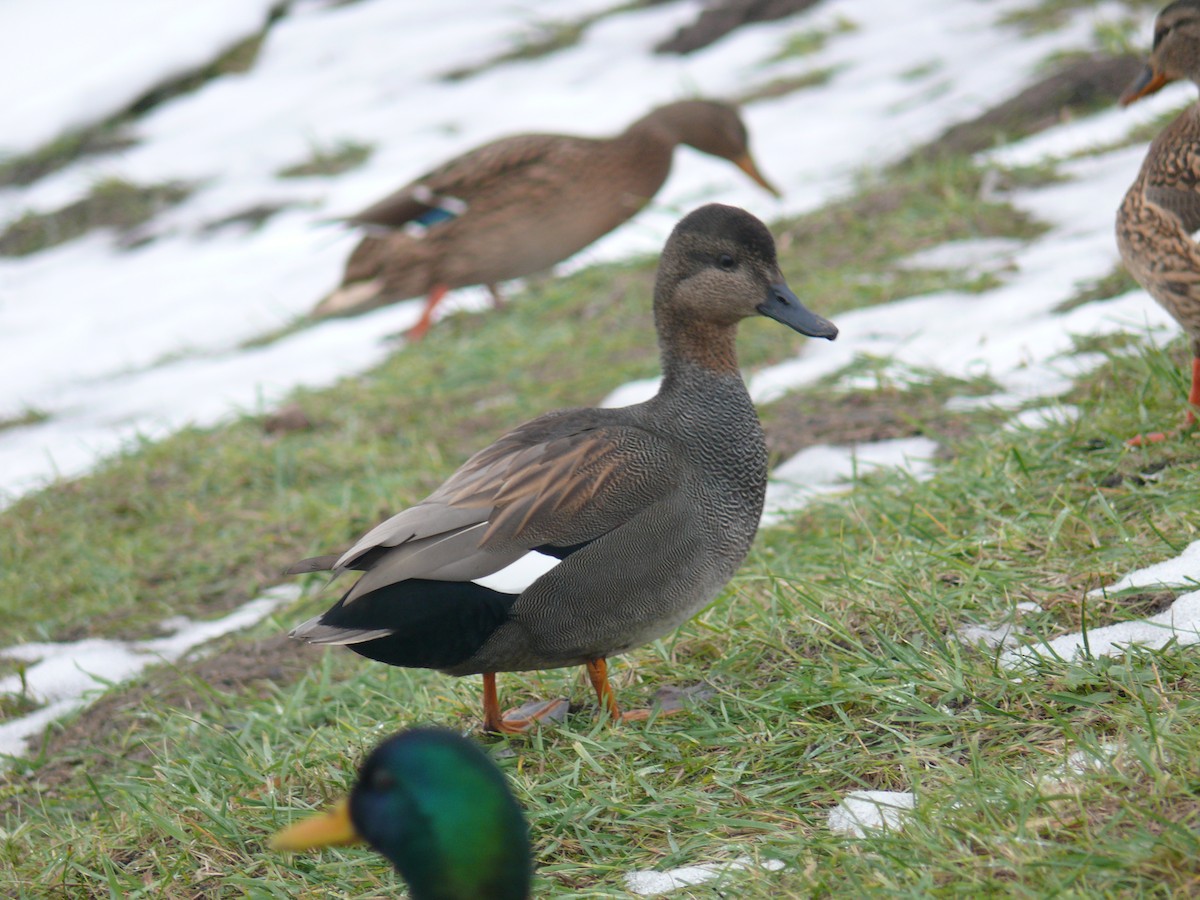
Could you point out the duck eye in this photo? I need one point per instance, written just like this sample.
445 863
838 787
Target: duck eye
382 780
726 262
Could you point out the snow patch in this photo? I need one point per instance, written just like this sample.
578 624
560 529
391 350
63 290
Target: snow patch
1182 571
1038 417
1180 623
116 344
648 883
62 675
824 469
976 255
861 812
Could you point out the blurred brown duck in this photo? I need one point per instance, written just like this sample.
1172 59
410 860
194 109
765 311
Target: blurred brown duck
650 508
1161 211
520 204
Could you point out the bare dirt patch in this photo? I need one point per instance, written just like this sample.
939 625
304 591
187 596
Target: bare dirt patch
1077 86
798 421
720 18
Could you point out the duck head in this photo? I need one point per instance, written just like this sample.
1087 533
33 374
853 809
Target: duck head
715 128
437 807
719 267
1176 52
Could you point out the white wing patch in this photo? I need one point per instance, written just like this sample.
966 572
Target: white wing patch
517 576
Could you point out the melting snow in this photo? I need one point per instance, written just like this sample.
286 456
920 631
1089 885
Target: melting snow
113 343
1180 623
975 255
864 811
647 883
57 78
823 469
1182 571
61 676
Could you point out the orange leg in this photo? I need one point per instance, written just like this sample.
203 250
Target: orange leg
497 297
597 670
521 720
1189 420
435 297
1194 396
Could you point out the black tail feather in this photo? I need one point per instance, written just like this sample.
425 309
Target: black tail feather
435 624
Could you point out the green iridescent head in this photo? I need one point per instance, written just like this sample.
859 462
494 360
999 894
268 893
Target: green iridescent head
436 806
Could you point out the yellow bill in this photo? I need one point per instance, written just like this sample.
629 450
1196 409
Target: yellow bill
1149 81
746 164
327 829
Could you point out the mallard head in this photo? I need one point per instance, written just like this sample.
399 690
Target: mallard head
1176 52
437 807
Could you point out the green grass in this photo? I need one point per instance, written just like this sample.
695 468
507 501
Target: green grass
543 38
27 416
26 168
1050 15
332 160
1114 284
781 87
828 652
805 43
111 203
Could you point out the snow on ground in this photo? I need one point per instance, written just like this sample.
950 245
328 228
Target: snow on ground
1006 633
1178 624
62 676
112 343
1181 571
648 883
861 812
824 469
58 76
1011 333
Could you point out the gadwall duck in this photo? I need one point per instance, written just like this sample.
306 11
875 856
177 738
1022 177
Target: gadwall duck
650 508
521 204
1161 210
439 810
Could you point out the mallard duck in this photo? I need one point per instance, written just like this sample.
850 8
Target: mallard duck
1161 210
650 508
520 204
438 808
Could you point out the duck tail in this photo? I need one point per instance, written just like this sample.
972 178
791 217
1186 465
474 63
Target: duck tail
315 631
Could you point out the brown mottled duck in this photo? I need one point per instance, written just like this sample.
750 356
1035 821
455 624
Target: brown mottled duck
1161 210
521 204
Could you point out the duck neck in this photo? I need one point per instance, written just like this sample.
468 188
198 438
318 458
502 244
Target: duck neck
666 126
690 349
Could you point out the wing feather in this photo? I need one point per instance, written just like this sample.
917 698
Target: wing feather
460 180
556 481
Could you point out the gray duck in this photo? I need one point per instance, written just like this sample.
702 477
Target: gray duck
1161 210
650 508
521 204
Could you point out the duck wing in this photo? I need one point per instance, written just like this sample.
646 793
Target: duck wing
1172 171
449 190
559 481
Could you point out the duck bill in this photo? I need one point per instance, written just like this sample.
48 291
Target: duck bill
327 829
784 306
1149 81
746 164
